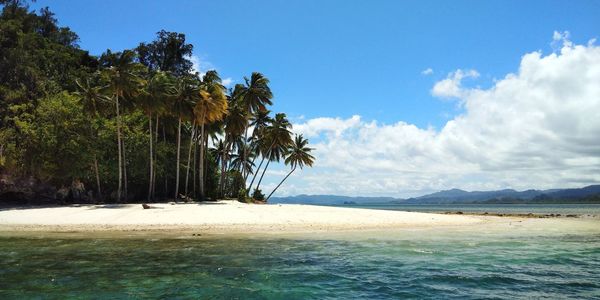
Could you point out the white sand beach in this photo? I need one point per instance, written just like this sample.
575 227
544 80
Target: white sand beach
222 216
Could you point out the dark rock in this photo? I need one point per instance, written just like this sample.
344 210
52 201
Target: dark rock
25 191
62 194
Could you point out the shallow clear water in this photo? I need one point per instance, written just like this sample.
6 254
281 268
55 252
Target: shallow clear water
460 264
564 209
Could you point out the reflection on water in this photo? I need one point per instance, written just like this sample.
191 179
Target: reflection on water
404 264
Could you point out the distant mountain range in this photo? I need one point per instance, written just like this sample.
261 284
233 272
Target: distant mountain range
332 199
588 194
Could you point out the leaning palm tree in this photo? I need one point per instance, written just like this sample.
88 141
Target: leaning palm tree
124 82
259 145
260 120
256 95
91 97
297 155
185 92
279 137
210 107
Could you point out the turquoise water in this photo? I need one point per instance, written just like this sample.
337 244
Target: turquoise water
496 264
564 209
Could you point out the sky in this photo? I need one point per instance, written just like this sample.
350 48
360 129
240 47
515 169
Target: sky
398 98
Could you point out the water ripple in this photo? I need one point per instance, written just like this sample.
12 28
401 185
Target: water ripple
462 267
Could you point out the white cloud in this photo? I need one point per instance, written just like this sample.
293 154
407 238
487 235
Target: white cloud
329 126
427 71
561 40
536 128
451 86
227 81
200 65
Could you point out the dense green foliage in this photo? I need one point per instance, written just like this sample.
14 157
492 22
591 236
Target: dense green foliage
131 125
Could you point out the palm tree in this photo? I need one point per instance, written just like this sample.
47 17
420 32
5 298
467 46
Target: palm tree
279 137
240 161
297 155
211 107
259 145
260 120
91 97
256 94
234 124
185 93
124 82
193 142
220 154
151 101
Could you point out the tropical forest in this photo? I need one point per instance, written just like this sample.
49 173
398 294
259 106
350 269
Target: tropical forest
138 125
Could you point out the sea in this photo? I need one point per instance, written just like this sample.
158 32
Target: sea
582 210
560 260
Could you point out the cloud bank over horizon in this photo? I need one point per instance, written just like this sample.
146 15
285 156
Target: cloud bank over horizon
536 128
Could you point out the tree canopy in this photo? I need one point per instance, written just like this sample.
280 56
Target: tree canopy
126 125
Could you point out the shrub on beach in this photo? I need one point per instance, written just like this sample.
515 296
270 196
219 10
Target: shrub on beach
258 195
242 196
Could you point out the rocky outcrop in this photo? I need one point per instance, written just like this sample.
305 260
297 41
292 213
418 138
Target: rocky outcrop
31 191
25 191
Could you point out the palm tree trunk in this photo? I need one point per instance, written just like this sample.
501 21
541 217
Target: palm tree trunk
178 151
126 193
166 160
223 164
194 167
254 176
251 164
206 165
201 171
246 152
151 160
164 130
97 177
155 160
263 174
288 175
258 169
187 169
119 149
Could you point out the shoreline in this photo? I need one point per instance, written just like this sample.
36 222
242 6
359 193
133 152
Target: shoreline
232 218
520 215
217 217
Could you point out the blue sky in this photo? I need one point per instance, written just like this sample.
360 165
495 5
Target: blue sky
336 59
340 58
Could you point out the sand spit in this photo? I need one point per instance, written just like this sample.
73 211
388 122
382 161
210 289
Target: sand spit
221 216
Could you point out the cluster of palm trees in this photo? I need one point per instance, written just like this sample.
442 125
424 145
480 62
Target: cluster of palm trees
235 122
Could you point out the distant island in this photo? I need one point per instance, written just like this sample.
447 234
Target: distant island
588 194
